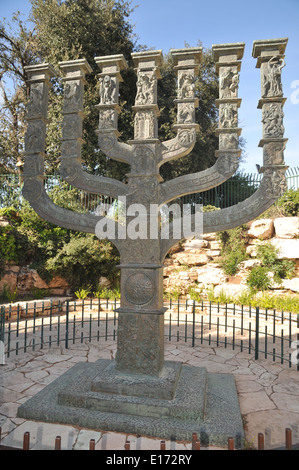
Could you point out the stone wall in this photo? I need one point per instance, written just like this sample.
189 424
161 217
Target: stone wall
189 264
26 280
192 264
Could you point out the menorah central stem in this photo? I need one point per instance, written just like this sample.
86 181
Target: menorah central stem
140 342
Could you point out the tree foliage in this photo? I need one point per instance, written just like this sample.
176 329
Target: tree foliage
68 30
17 50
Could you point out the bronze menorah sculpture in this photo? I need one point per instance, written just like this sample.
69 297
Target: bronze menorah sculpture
139 368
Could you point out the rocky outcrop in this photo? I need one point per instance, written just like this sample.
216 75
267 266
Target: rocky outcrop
25 281
195 263
261 229
200 265
287 227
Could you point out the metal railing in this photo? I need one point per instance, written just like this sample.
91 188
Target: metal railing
236 189
261 333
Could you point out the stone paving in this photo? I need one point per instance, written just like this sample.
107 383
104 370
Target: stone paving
268 395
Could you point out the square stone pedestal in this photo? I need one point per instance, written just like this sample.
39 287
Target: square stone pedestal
183 400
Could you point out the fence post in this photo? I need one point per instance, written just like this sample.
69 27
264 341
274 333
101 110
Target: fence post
57 443
257 326
230 443
2 336
288 437
193 325
26 441
261 441
67 325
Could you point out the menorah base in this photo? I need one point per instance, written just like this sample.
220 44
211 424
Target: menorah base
188 400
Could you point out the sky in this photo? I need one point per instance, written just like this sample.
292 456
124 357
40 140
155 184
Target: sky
171 24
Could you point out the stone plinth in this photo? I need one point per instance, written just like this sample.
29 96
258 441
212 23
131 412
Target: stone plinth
183 400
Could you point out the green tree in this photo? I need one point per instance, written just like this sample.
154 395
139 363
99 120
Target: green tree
68 30
16 52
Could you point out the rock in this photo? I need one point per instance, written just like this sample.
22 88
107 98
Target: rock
215 245
249 264
193 244
8 282
210 236
213 253
38 282
210 275
58 282
184 275
287 227
11 267
193 276
201 259
262 229
251 251
287 249
167 271
291 284
104 282
189 259
4 222
231 290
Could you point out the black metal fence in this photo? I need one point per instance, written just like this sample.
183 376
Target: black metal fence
236 189
260 333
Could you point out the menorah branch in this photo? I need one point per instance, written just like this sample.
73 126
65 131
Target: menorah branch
269 56
224 168
109 80
228 65
71 162
186 65
33 188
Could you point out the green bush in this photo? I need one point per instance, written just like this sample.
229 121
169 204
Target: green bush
259 279
82 293
233 249
78 257
195 293
83 260
289 203
106 293
268 254
9 294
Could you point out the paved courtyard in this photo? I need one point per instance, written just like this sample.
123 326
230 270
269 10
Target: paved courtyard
268 395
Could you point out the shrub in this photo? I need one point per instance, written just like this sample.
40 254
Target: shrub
289 203
195 293
268 254
174 294
106 293
259 279
82 293
232 249
9 294
78 257
232 260
83 260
